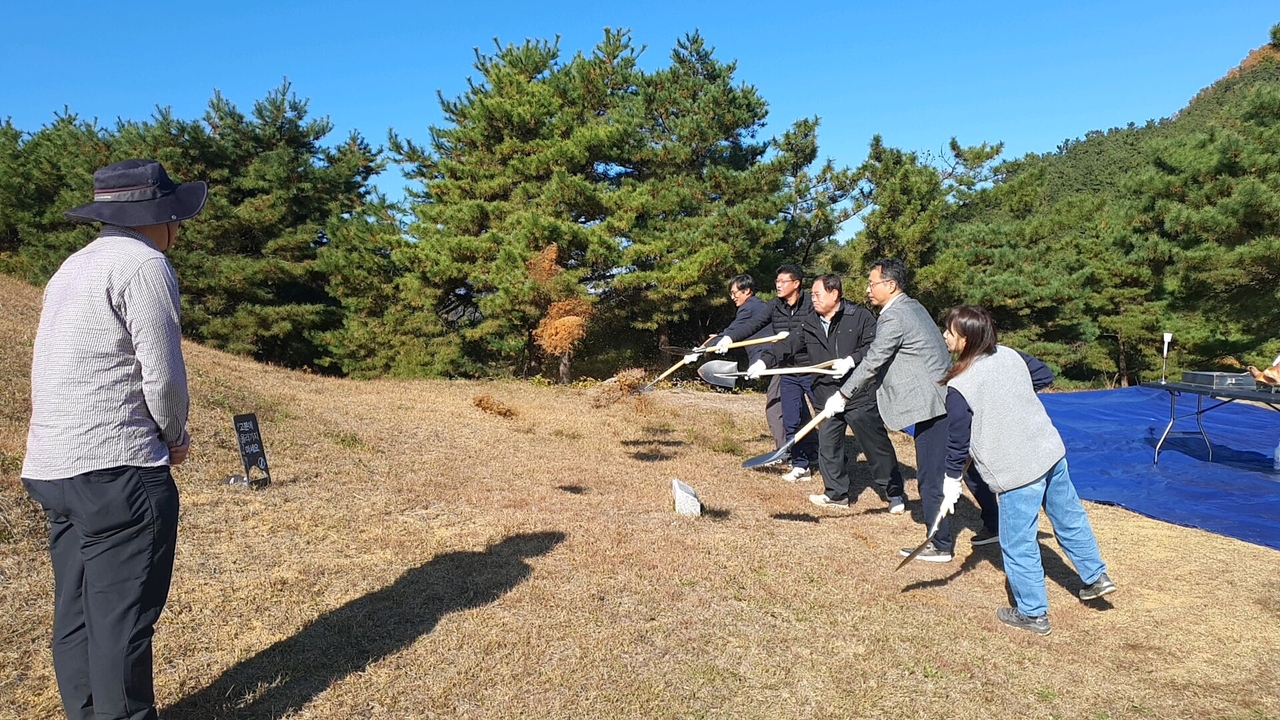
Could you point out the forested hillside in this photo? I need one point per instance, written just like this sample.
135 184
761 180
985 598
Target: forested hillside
574 213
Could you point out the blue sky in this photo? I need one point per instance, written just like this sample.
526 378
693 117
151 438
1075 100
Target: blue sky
1029 74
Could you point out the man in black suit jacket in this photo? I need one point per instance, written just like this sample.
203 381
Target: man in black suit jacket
841 331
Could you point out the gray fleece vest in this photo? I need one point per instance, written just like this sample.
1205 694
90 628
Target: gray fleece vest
1013 442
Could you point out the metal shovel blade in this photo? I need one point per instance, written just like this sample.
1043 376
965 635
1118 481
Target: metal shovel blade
769 457
713 371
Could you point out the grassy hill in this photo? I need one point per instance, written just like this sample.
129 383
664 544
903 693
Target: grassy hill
1097 163
419 557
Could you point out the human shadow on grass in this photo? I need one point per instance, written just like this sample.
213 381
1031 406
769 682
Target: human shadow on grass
283 678
1056 570
653 450
647 442
795 517
1059 571
965 522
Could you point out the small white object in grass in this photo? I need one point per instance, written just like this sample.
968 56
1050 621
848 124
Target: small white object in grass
686 499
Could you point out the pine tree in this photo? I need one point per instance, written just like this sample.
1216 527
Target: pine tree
247 264
701 204
908 199
1208 215
815 205
525 163
54 167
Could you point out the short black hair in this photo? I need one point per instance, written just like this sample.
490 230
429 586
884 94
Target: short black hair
743 282
892 269
831 283
790 269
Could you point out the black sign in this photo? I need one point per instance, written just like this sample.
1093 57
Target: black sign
252 452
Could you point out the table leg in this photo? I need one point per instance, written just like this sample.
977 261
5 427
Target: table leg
1173 415
1203 434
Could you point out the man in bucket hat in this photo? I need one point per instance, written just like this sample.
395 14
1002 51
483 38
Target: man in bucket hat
108 418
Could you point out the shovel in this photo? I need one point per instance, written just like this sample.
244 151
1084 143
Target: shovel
725 373
772 338
769 457
719 373
823 369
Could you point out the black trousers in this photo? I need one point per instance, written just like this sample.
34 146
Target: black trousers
931 457
111 539
882 460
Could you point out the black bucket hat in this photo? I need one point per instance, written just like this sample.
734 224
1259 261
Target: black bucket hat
134 193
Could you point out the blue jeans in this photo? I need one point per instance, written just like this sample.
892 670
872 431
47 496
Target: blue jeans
1019 516
793 389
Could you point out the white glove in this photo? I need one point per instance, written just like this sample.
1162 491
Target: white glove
753 372
843 365
691 358
950 494
722 345
834 406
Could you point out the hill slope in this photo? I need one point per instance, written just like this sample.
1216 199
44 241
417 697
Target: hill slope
420 558
1098 163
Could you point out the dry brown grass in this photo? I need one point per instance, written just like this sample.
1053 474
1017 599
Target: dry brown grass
493 407
416 558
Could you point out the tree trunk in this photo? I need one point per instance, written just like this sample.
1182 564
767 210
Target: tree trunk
1122 364
564 368
664 337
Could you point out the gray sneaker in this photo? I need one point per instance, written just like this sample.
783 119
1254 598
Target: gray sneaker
897 504
1097 588
930 553
1013 618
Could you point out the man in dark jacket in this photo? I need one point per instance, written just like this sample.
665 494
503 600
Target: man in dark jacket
841 331
787 313
751 322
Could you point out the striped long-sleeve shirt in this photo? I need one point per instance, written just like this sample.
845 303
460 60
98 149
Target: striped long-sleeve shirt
108 382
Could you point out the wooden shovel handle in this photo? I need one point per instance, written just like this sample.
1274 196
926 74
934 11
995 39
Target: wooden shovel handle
743 343
759 341
669 370
808 427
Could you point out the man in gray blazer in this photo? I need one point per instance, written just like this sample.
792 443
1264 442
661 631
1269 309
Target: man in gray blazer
908 357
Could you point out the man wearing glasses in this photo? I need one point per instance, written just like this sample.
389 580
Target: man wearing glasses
908 357
790 306
750 322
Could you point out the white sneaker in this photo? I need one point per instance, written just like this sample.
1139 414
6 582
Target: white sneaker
825 501
897 505
798 474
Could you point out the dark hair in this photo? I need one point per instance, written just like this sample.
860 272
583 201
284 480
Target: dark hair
790 269
744 283
892 269
978 329
831 283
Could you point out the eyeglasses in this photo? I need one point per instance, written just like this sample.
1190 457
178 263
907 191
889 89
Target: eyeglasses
736 292
878 282
785 282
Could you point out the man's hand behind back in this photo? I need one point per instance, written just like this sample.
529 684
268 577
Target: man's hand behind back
178 453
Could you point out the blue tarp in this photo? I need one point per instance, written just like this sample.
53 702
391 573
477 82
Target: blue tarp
1111 436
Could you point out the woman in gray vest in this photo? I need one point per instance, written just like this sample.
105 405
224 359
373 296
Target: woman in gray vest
996 417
